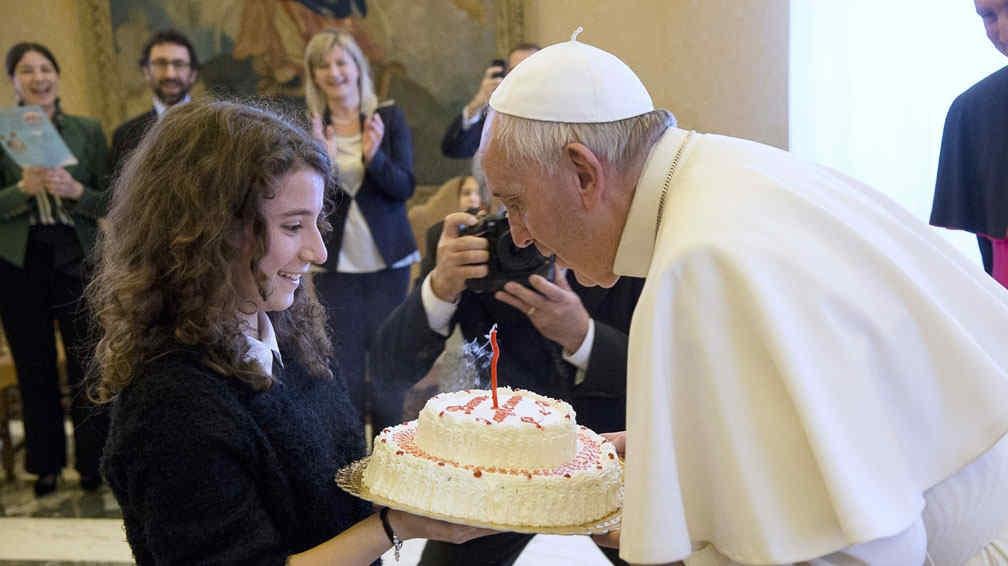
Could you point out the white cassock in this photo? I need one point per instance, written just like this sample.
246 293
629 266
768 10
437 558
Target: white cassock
807 362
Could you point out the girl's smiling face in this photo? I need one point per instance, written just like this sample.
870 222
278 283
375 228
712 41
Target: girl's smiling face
294 242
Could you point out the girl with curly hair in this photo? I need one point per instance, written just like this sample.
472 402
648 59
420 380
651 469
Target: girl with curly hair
228 425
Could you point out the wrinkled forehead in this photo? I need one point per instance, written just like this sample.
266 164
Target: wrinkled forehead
485 135
503 177
488 162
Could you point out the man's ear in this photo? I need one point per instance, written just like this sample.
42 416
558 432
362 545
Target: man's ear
589 172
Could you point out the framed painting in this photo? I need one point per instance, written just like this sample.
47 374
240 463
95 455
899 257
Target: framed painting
427 55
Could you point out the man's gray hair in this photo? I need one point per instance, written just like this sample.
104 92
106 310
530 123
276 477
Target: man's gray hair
615 143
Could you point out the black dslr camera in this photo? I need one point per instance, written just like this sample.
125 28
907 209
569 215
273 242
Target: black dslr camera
507 262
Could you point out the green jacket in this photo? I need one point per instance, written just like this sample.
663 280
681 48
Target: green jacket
86 140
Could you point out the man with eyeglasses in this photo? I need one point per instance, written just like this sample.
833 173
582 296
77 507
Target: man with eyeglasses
170 66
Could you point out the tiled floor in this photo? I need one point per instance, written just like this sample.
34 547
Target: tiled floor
73 527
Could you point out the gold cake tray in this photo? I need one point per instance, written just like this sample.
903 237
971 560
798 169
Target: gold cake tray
351 480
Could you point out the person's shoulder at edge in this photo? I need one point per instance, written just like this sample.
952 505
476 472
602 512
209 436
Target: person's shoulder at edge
993 85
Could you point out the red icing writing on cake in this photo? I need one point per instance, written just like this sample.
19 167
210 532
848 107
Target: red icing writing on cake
530 420
502 413
468 407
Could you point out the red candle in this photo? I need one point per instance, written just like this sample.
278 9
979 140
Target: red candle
493 364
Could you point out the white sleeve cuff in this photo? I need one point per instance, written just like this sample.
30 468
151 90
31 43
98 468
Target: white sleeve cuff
439 313
579 358
470 121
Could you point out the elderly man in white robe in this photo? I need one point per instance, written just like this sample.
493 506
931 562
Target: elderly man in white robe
814 375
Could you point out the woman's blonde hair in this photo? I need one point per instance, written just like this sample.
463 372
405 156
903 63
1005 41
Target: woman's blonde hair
318 48
180 209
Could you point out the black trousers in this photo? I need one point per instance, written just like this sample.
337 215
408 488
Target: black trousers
493 550
356 305
44 291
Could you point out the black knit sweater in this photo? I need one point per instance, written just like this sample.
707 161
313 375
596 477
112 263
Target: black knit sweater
208 471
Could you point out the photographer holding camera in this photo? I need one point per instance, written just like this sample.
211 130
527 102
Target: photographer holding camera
557 338
462 137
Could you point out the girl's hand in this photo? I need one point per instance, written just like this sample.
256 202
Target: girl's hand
407 526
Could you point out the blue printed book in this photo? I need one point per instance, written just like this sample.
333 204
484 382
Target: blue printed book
28 136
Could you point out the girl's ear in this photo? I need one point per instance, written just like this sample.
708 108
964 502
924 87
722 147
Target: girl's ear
240 236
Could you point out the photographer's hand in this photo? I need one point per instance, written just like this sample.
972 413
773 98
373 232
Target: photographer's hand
458 258
486 88
555 310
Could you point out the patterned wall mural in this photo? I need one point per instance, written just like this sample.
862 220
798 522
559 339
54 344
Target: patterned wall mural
427 55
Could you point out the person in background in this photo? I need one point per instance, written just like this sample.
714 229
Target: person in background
470 194
813 373
462 137
48 223
170 67
371 246
228 425
971 191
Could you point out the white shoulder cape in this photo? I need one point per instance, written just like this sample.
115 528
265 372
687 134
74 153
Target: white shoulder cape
806 359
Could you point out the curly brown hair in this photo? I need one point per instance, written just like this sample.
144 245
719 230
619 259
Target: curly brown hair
179 207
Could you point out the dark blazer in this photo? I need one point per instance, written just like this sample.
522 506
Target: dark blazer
127 137
388 183
971 190
406 348
459 143
86 140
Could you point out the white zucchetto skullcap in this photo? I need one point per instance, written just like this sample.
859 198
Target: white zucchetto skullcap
572 82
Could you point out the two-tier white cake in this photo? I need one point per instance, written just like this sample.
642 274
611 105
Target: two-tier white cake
526 462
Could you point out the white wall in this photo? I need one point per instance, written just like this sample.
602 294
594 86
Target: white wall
870 83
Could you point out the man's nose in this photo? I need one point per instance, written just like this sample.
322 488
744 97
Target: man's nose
1002 29
519 233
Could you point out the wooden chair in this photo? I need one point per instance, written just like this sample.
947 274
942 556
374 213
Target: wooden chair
8 406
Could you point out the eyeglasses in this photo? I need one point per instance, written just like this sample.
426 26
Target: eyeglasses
163 64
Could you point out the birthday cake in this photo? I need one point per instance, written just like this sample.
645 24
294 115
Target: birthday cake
525 462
